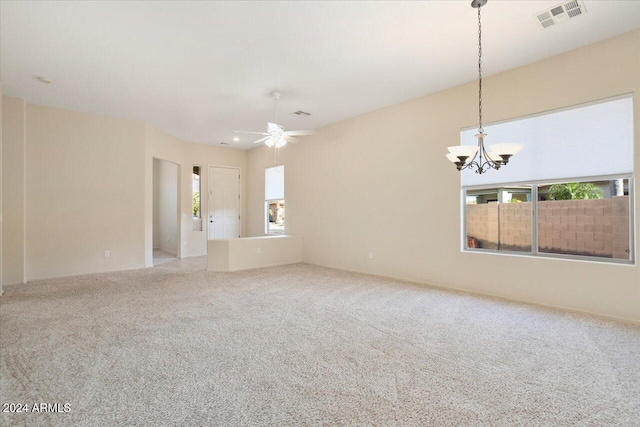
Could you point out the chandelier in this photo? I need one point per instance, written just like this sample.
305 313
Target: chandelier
482 159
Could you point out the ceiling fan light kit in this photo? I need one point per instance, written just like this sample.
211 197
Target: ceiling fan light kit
276 136
482 159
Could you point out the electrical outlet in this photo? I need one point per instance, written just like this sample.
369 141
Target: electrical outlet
168 239
259 250
370 255
107 254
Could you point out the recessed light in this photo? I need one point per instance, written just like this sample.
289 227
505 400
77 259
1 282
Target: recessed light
236 139
44 79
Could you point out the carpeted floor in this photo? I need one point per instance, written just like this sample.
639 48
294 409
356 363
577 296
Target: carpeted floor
176 345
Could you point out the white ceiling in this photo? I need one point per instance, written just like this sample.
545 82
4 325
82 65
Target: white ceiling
201 70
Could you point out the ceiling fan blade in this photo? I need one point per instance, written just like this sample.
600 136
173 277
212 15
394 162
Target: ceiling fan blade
261 140
254 133
291 139
299 132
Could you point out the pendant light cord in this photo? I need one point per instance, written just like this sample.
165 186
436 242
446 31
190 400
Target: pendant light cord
276 153
275 100
480 129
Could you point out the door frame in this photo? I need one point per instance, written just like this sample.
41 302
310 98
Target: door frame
240 213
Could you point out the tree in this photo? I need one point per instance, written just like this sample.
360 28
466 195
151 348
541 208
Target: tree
573 191
196 204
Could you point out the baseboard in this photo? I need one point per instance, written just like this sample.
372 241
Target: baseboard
4 285
485 294
62 276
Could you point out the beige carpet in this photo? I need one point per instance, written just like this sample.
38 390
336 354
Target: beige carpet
304 345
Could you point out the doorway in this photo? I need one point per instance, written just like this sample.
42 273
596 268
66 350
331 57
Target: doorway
223 218
166 230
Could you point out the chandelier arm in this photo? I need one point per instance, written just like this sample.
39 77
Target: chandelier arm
473 159
471 165
489 159
483 163
486 165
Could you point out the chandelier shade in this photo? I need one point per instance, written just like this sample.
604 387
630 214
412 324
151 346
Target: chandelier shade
458 151
505 149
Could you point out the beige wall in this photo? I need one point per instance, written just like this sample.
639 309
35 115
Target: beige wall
161 145
13 152
1 157
253 252
380 183
85 186
84 193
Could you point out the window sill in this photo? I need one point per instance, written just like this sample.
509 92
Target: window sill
553 257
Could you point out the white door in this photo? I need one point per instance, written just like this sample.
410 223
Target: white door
224 203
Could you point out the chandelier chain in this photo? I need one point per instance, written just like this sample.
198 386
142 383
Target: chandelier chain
480 129
478 158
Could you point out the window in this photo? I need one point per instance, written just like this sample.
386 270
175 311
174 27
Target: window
499 218
274 200
567 194
196 198
585 218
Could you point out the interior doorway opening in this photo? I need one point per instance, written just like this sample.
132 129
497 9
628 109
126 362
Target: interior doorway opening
166 213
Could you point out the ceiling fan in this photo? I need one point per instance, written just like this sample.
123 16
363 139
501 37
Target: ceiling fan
275 134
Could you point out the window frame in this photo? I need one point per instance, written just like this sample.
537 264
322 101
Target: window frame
199 217
534 220
267 201
266 212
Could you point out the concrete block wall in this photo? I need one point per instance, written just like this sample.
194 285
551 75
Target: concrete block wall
577 227
620 227
504 226
478 225
515 226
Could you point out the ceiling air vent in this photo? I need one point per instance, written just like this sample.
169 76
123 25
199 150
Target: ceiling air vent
574 12
300 113
561 13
